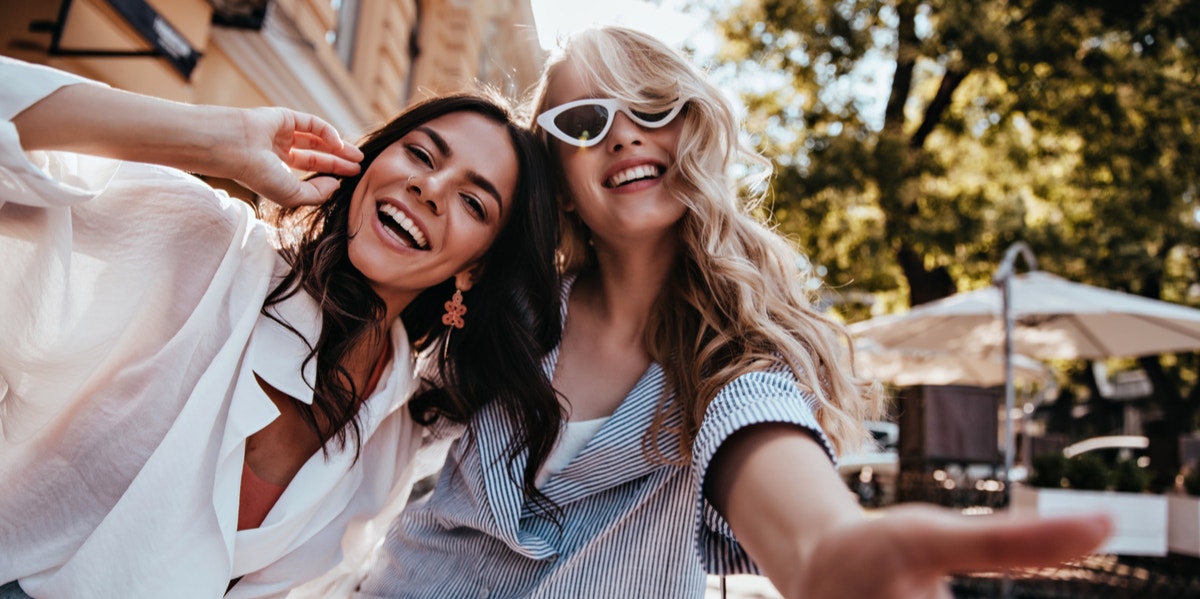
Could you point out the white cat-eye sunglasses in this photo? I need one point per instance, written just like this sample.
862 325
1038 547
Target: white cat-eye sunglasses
584 123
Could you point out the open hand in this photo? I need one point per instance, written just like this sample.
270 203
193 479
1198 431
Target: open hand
276 141
907 553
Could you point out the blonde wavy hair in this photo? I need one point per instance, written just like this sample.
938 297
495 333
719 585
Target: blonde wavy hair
736 301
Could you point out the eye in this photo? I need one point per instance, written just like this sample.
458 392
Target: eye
474 205
420 154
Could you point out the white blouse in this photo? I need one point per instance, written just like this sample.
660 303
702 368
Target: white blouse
130 331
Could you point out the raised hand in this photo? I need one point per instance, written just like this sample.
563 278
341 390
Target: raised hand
277 140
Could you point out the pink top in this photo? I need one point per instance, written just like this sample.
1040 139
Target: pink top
258 497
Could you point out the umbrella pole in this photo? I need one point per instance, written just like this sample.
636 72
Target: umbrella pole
1003 279
1009 389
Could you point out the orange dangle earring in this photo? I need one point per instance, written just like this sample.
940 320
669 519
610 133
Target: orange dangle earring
455 310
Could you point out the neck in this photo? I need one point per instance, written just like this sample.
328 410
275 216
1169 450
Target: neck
394 304
629 279
362 359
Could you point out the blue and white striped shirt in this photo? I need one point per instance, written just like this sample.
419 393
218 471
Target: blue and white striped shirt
630 527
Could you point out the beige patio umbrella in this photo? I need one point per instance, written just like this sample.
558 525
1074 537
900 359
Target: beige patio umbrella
1040 315
912 367
1054 319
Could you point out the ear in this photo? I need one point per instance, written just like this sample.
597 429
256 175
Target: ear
566 200
464 280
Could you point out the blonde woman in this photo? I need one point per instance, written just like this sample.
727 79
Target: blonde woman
704 397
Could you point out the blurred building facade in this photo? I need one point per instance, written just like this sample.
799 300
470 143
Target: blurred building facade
356 63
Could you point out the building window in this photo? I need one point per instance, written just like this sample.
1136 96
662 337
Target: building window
344 31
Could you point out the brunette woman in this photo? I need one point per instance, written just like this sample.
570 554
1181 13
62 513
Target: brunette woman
194 402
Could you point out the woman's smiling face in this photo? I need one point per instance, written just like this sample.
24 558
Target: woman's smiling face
431 204
616 186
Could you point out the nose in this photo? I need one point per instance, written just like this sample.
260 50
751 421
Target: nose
623 133
428 189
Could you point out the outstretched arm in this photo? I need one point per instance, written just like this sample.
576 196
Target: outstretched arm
794 516
257 147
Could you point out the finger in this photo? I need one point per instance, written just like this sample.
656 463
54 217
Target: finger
319 189
307 141
952 543
318 128
310 192
321 162
314 125
350 152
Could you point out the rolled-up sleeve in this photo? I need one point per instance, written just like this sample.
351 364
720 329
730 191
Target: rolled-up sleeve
23 84
42 179
753 398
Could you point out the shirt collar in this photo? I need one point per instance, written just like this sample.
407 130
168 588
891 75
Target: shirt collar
275 350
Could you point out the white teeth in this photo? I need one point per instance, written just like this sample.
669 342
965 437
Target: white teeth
630 174
405 223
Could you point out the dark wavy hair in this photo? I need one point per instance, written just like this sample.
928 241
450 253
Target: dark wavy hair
515 307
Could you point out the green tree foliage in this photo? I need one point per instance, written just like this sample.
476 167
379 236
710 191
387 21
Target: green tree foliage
914 141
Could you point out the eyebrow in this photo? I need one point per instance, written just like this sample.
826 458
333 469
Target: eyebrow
472 176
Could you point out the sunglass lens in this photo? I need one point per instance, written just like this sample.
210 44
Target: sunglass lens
582 122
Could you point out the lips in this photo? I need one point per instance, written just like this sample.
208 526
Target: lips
402 227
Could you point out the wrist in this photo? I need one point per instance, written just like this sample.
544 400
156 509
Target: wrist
217 146
814 567
803 555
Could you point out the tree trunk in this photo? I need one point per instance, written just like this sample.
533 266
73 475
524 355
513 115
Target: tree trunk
924 285
894 182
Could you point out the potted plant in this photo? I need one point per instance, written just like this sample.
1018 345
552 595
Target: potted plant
1084 483
1184 516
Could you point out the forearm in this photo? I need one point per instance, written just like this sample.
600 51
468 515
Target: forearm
780 494
261 148
102 121
794 516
